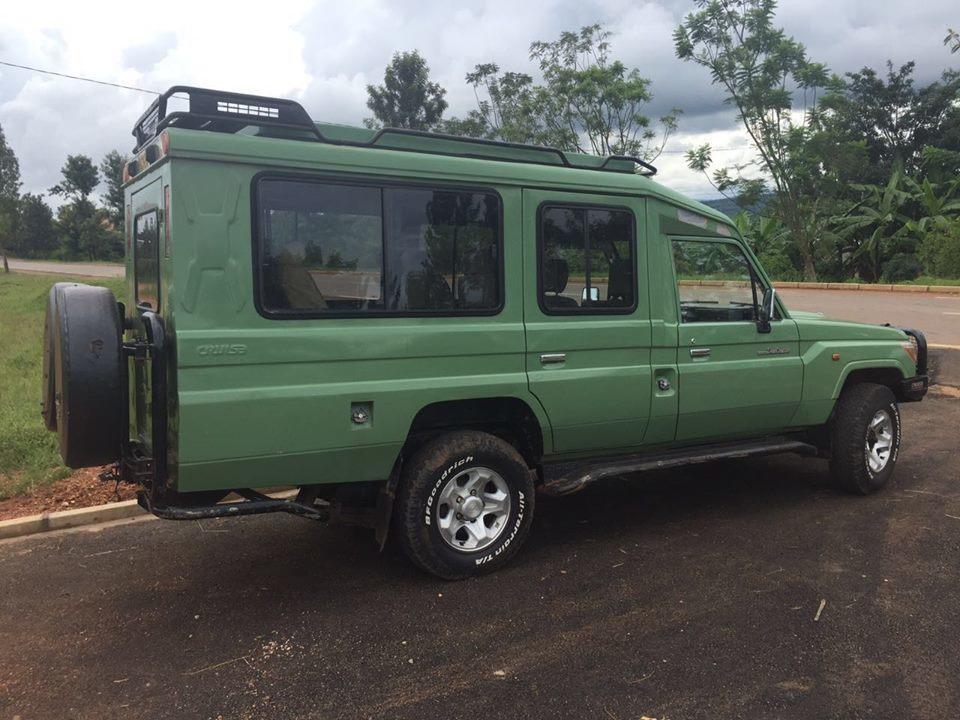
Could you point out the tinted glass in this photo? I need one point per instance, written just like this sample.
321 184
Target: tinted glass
586 260
329 248
146 259
715 282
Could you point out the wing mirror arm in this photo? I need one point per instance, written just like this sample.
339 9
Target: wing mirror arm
768 309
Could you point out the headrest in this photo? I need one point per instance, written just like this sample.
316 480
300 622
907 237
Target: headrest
555 274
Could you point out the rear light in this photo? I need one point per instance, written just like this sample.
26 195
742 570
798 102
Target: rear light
166 221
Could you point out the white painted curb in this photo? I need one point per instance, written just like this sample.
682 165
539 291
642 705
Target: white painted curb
78 517
63 519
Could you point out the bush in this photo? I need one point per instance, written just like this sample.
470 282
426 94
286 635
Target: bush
940 252
779 267
902 267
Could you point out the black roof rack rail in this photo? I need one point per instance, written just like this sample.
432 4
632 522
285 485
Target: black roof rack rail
221 112
230 112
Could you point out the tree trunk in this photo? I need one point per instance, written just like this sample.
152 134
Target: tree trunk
6 266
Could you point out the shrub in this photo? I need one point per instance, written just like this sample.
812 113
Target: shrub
902 267
940 252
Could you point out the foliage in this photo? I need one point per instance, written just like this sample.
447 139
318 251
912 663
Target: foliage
28 452
36 234
952 40
757 64
80 177
893 119
111 170
407 98
9 195
587 101
902 267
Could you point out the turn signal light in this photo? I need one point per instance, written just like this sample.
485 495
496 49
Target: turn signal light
911 347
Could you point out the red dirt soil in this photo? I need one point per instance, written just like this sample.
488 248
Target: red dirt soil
82 489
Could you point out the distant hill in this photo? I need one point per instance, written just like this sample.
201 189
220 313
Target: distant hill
730 208
724 205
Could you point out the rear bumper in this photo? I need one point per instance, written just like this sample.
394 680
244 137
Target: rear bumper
913 389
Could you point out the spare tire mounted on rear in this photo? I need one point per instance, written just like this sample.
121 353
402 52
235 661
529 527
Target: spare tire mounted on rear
85 340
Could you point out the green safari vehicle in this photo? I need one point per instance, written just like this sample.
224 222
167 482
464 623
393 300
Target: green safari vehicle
422 332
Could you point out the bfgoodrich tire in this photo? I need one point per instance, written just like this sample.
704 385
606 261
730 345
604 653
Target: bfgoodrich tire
89 400
465 505
865 438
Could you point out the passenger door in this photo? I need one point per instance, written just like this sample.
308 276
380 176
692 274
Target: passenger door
587 317
734 380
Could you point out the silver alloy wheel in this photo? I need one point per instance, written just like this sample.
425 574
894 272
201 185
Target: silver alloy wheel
473 508
879 443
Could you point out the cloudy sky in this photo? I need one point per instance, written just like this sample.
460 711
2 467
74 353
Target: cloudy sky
324 53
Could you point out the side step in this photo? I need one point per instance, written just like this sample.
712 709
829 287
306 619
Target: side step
564 478
254 504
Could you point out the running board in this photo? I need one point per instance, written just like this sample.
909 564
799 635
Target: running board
564 478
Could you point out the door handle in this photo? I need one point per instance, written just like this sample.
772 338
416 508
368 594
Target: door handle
552 358
699 352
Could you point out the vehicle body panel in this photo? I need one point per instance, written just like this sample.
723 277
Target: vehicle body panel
256 401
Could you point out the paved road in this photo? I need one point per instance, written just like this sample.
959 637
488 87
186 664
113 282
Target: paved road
688 594
938 316
67 268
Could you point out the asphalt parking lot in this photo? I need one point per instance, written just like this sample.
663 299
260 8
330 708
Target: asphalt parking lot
747 589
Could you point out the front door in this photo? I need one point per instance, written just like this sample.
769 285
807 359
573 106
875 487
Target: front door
587 317
734 379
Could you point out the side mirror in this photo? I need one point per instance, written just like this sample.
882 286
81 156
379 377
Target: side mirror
768 308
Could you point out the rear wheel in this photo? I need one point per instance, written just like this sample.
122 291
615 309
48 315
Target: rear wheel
865 438
465 505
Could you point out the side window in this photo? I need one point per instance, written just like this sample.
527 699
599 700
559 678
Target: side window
586 260
329 249
715 282
146 236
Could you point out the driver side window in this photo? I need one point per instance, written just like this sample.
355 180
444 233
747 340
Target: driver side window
715 282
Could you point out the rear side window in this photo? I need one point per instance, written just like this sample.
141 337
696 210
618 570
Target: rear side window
338 249
586 260
146 236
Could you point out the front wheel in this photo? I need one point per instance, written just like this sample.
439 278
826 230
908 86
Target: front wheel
865 438
465 504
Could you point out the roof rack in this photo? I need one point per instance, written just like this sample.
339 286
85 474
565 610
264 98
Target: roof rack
230 112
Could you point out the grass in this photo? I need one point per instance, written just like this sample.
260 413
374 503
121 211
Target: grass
28 451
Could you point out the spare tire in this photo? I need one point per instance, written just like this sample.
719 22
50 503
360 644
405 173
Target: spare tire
89 402
48 391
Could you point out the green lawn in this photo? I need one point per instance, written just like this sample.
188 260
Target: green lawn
28 452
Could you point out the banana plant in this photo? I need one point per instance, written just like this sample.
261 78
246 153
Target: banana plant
940 209
876 221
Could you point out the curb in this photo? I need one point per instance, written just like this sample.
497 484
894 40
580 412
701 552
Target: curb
96 515
870 287
867 287
63 519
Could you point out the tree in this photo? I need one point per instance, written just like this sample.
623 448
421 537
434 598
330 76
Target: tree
894 119
591 103
587 102
80 177
952 40
757 65
36 237
111 169
407 98
9 196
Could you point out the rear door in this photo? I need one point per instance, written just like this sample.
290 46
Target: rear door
734 380
587 317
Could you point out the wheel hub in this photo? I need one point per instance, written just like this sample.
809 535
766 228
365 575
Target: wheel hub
879 441
473 508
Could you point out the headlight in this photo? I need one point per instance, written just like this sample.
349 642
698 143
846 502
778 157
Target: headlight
911 347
